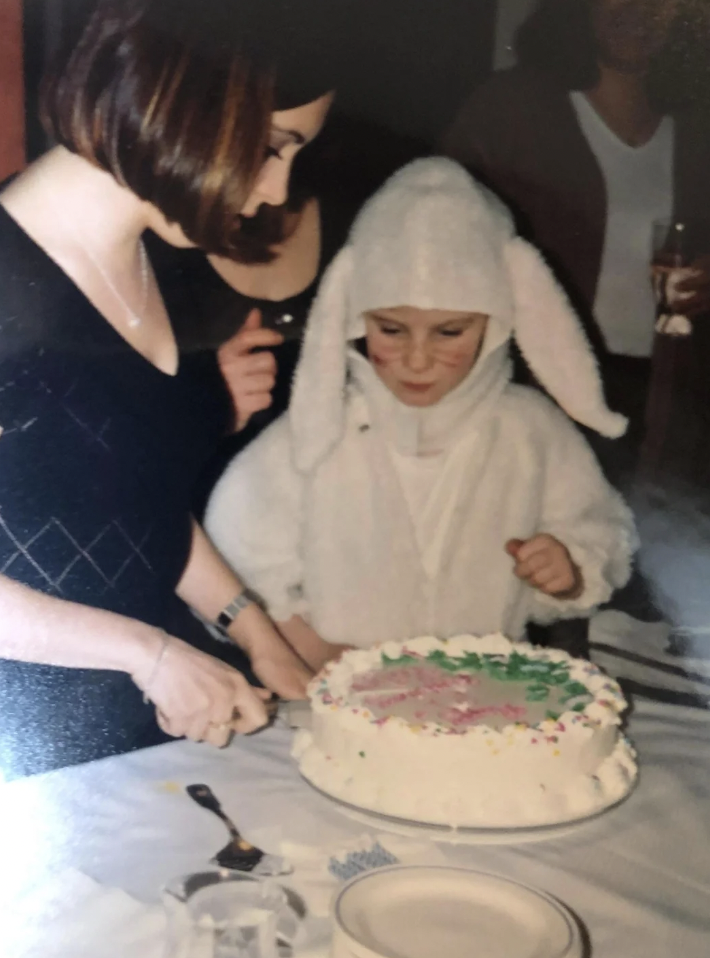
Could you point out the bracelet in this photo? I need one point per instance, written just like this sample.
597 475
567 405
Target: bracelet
230 612
156 666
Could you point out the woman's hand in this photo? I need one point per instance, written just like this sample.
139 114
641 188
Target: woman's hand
272 659
208 585
198 696
250 376
308 645
328 652
545 564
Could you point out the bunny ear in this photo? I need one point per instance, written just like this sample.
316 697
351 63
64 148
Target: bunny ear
551 339
317 404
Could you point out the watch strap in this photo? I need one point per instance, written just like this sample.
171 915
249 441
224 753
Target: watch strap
231 611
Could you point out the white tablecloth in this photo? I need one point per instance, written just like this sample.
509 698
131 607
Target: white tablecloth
639 877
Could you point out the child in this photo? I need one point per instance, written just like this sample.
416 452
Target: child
412 488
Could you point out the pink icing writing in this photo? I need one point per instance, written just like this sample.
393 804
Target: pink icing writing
413 678
472 714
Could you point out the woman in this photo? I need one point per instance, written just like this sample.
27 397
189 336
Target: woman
253 308
180 116
599 130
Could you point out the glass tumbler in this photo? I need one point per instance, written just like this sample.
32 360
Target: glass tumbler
225 914
675 245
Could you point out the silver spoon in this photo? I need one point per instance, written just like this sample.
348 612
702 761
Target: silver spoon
239 854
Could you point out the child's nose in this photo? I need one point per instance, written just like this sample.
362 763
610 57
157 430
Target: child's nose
418 358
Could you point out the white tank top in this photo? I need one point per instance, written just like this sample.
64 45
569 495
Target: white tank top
639 186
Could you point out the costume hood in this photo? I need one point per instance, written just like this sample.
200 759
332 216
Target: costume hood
434 238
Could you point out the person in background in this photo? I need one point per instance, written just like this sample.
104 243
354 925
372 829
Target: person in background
183 117
252 310
412 488
601 129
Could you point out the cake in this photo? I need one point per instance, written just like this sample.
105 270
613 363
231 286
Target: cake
467 732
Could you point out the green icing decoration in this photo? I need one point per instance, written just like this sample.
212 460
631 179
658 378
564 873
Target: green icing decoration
572 690
579 707
540 675
537 693
559 678
436 656
400 660
361 754
471 661
553 716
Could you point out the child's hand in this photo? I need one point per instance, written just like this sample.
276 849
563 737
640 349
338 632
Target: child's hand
545 564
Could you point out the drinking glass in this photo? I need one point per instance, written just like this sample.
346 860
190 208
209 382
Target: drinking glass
675 245
224 914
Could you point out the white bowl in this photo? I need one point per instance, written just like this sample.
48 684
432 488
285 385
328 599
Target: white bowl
439 912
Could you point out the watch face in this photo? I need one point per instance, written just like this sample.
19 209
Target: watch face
229 614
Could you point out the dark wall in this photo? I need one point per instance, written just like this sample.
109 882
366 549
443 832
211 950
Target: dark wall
423 57
413 63
12 132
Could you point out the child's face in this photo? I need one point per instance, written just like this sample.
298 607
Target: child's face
422 354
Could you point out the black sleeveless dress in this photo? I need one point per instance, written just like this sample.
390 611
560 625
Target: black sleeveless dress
99 456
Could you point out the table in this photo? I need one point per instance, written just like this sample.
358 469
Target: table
639 877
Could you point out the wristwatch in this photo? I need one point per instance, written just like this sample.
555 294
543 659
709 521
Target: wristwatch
238 603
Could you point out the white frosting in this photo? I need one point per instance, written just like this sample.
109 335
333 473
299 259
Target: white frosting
517 775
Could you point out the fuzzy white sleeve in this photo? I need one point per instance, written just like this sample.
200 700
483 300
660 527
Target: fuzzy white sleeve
254 516
589 517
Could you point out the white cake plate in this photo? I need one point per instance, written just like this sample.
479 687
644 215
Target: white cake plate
467 835
459 912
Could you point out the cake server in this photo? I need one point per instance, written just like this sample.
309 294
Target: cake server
298 714
239 855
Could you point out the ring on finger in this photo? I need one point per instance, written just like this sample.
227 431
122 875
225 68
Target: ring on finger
219 726
236 714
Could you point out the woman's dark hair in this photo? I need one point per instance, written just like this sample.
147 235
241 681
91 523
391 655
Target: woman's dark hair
173 98
558 40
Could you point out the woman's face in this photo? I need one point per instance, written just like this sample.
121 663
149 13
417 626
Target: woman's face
290 131
630 32
422 354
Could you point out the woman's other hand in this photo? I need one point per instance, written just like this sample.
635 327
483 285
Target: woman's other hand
329 652
306 642
544 563
208 585
250 376
197 696
272 659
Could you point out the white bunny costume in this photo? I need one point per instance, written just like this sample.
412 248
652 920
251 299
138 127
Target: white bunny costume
375 520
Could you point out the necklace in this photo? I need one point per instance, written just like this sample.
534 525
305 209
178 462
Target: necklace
134 318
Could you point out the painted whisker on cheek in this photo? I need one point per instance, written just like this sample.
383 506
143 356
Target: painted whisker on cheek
454 362
378 360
